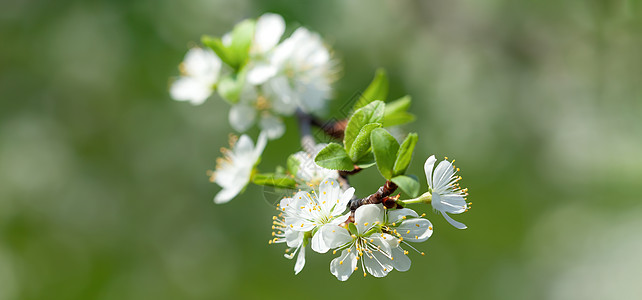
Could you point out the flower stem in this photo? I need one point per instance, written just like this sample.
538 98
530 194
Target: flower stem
424 198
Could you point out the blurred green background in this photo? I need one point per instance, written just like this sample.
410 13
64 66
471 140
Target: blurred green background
103 192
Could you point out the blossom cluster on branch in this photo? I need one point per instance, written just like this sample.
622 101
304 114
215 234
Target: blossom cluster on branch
266 77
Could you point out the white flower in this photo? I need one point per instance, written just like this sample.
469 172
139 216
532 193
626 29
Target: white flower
285 234
234 170
365 242
298 74
447 196
408 226
200 68
312 212
267 33
307 170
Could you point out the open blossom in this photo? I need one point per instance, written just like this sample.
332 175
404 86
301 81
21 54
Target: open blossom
447 196
234 170
305 169
200 71
365 242
298 73
306 214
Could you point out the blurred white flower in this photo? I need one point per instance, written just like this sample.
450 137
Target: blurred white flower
234 170
298 73
447 196
200 71
267 33
365 242
307 169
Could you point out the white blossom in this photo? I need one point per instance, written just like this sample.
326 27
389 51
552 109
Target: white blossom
447 196
365 242
295 240
408 226
307 170
234 170
200 71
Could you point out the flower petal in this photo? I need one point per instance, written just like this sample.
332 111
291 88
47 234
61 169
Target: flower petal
343 266
329 190
368 214
401 261
428 166
452 222
343 201
293 238
377 264
443 175
190 89
227 194
242 117
260 73
335 236
300 261
269 29
396 215
415 230
318 244
272 126
202 64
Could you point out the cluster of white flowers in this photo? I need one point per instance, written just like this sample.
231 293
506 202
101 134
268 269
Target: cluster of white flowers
376 237
266 77
277 78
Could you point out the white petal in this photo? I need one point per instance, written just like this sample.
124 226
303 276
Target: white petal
272 126
343 201
396 215
281 95
228 194
340 219
300 261
415 230
377 264
190 89
202 64
384 241
261 142
260 73
269 29
242 117
293 238
443 175
401 261
370 214
335 236
318 243
452 222
428 166
343 266
244 146
453 204
329 190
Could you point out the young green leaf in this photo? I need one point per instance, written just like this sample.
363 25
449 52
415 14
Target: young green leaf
334 157
271 179
242 35
230 86
396 112
217 46
404 155
361 143
385 148
408 184
371 113
376 90
366 161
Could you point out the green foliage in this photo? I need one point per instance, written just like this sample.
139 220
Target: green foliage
236 54
361 144
367 161
396 112
217 46
385 148
334 157
271 179
408 184
376 90
371 113
404 155
293 164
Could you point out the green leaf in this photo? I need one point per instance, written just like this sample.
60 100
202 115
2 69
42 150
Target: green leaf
371 113
396 112
352 228
242 35
385 148
408 184
404 155
334 157
361 143
217 46
271 179
230 86
293 164
366 161
376 90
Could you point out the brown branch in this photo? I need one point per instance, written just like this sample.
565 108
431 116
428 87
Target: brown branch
334 129
381 196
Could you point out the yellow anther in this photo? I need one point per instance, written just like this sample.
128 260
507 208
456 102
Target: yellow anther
405 252
401 238
291 226
356 268
365 224
394 224
423 215
417 225
334 252
301 225
341 262
416 237
423 253
429 227
408 232
324 193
